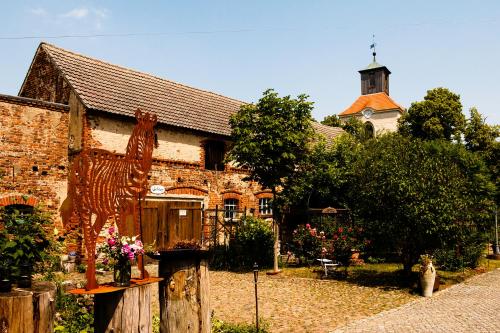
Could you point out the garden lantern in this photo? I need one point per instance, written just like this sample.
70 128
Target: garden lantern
255 279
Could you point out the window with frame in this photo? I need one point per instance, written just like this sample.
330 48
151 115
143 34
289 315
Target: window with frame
369 130
265 206
230 208
214 155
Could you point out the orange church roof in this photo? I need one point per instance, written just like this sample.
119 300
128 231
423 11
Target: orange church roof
377 102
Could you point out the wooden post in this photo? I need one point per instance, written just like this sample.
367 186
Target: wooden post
184 292
28 310
124 311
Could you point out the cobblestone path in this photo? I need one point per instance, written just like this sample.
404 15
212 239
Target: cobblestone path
302 305
472 306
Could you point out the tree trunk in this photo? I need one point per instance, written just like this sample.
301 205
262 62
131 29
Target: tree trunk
276 230
124 311
184 294
28 310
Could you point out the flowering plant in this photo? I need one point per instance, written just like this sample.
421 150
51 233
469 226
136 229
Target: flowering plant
345 240
425 262
120 248
308 242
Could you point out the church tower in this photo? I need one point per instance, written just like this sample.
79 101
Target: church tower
374 78
374 107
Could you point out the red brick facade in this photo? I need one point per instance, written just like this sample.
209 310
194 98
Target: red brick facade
33 152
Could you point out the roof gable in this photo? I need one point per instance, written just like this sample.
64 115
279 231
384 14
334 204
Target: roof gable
110 88
378 102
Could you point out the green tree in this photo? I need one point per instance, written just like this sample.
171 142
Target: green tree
270 138
352 125
333 121
482 138
323 177
415 196
438 116
478 135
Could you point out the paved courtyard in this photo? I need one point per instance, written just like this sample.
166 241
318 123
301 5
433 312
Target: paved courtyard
472 306
302 305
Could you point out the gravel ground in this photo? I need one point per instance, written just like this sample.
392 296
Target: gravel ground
292 304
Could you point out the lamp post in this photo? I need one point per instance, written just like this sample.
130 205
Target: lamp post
496 250
255 279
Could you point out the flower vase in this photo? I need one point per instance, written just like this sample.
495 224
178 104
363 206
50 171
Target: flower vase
427 279
122 273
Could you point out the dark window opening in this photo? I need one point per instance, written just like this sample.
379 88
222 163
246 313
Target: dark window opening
214 155
369 130
21 209
371 80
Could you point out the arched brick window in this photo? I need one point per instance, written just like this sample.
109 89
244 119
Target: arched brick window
18 199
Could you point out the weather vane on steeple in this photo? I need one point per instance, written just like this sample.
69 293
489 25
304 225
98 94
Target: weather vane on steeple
372 46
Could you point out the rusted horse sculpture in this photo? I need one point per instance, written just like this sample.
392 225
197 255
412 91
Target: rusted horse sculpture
104 185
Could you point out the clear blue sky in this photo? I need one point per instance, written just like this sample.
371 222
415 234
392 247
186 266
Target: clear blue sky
245 47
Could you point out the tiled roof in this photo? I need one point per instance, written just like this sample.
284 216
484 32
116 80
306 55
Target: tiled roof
111 88
328 131
377 102
106 87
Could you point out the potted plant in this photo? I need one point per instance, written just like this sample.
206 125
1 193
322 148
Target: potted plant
120 251
5 278
427 275
72 256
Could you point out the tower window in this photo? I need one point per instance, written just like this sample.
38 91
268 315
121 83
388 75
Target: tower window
371 80
369 130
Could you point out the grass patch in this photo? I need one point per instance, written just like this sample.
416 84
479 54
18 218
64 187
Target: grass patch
390 275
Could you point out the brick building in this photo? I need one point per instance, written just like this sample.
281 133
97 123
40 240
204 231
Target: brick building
70 101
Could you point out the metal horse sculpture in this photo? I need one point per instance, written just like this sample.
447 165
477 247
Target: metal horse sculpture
105 185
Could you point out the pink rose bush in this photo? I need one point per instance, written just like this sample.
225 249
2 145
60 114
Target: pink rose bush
118 248
335 242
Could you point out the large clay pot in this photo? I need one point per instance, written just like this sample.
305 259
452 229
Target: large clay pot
427 279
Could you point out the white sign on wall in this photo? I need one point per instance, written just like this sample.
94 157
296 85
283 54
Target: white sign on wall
157 189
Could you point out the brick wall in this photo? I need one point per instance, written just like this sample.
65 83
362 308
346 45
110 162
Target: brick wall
33 152
44 82
178 162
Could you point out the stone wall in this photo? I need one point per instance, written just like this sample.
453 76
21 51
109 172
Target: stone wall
382 121
33 152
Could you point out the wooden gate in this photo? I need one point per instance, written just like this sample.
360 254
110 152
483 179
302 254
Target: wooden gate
172 224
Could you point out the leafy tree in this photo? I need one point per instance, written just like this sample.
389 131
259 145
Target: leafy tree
352 125
416 196
270 138
482 138
323 176
438 116
478 135
333 121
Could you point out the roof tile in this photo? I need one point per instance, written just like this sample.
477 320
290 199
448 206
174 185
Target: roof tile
377 102
111 88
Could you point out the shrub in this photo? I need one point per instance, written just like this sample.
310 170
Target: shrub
73 313
253 242
219 326
23 239
457 255
307 242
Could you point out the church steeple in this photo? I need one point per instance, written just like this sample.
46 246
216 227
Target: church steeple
375 77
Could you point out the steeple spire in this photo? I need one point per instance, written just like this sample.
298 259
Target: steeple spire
372 46
375 77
